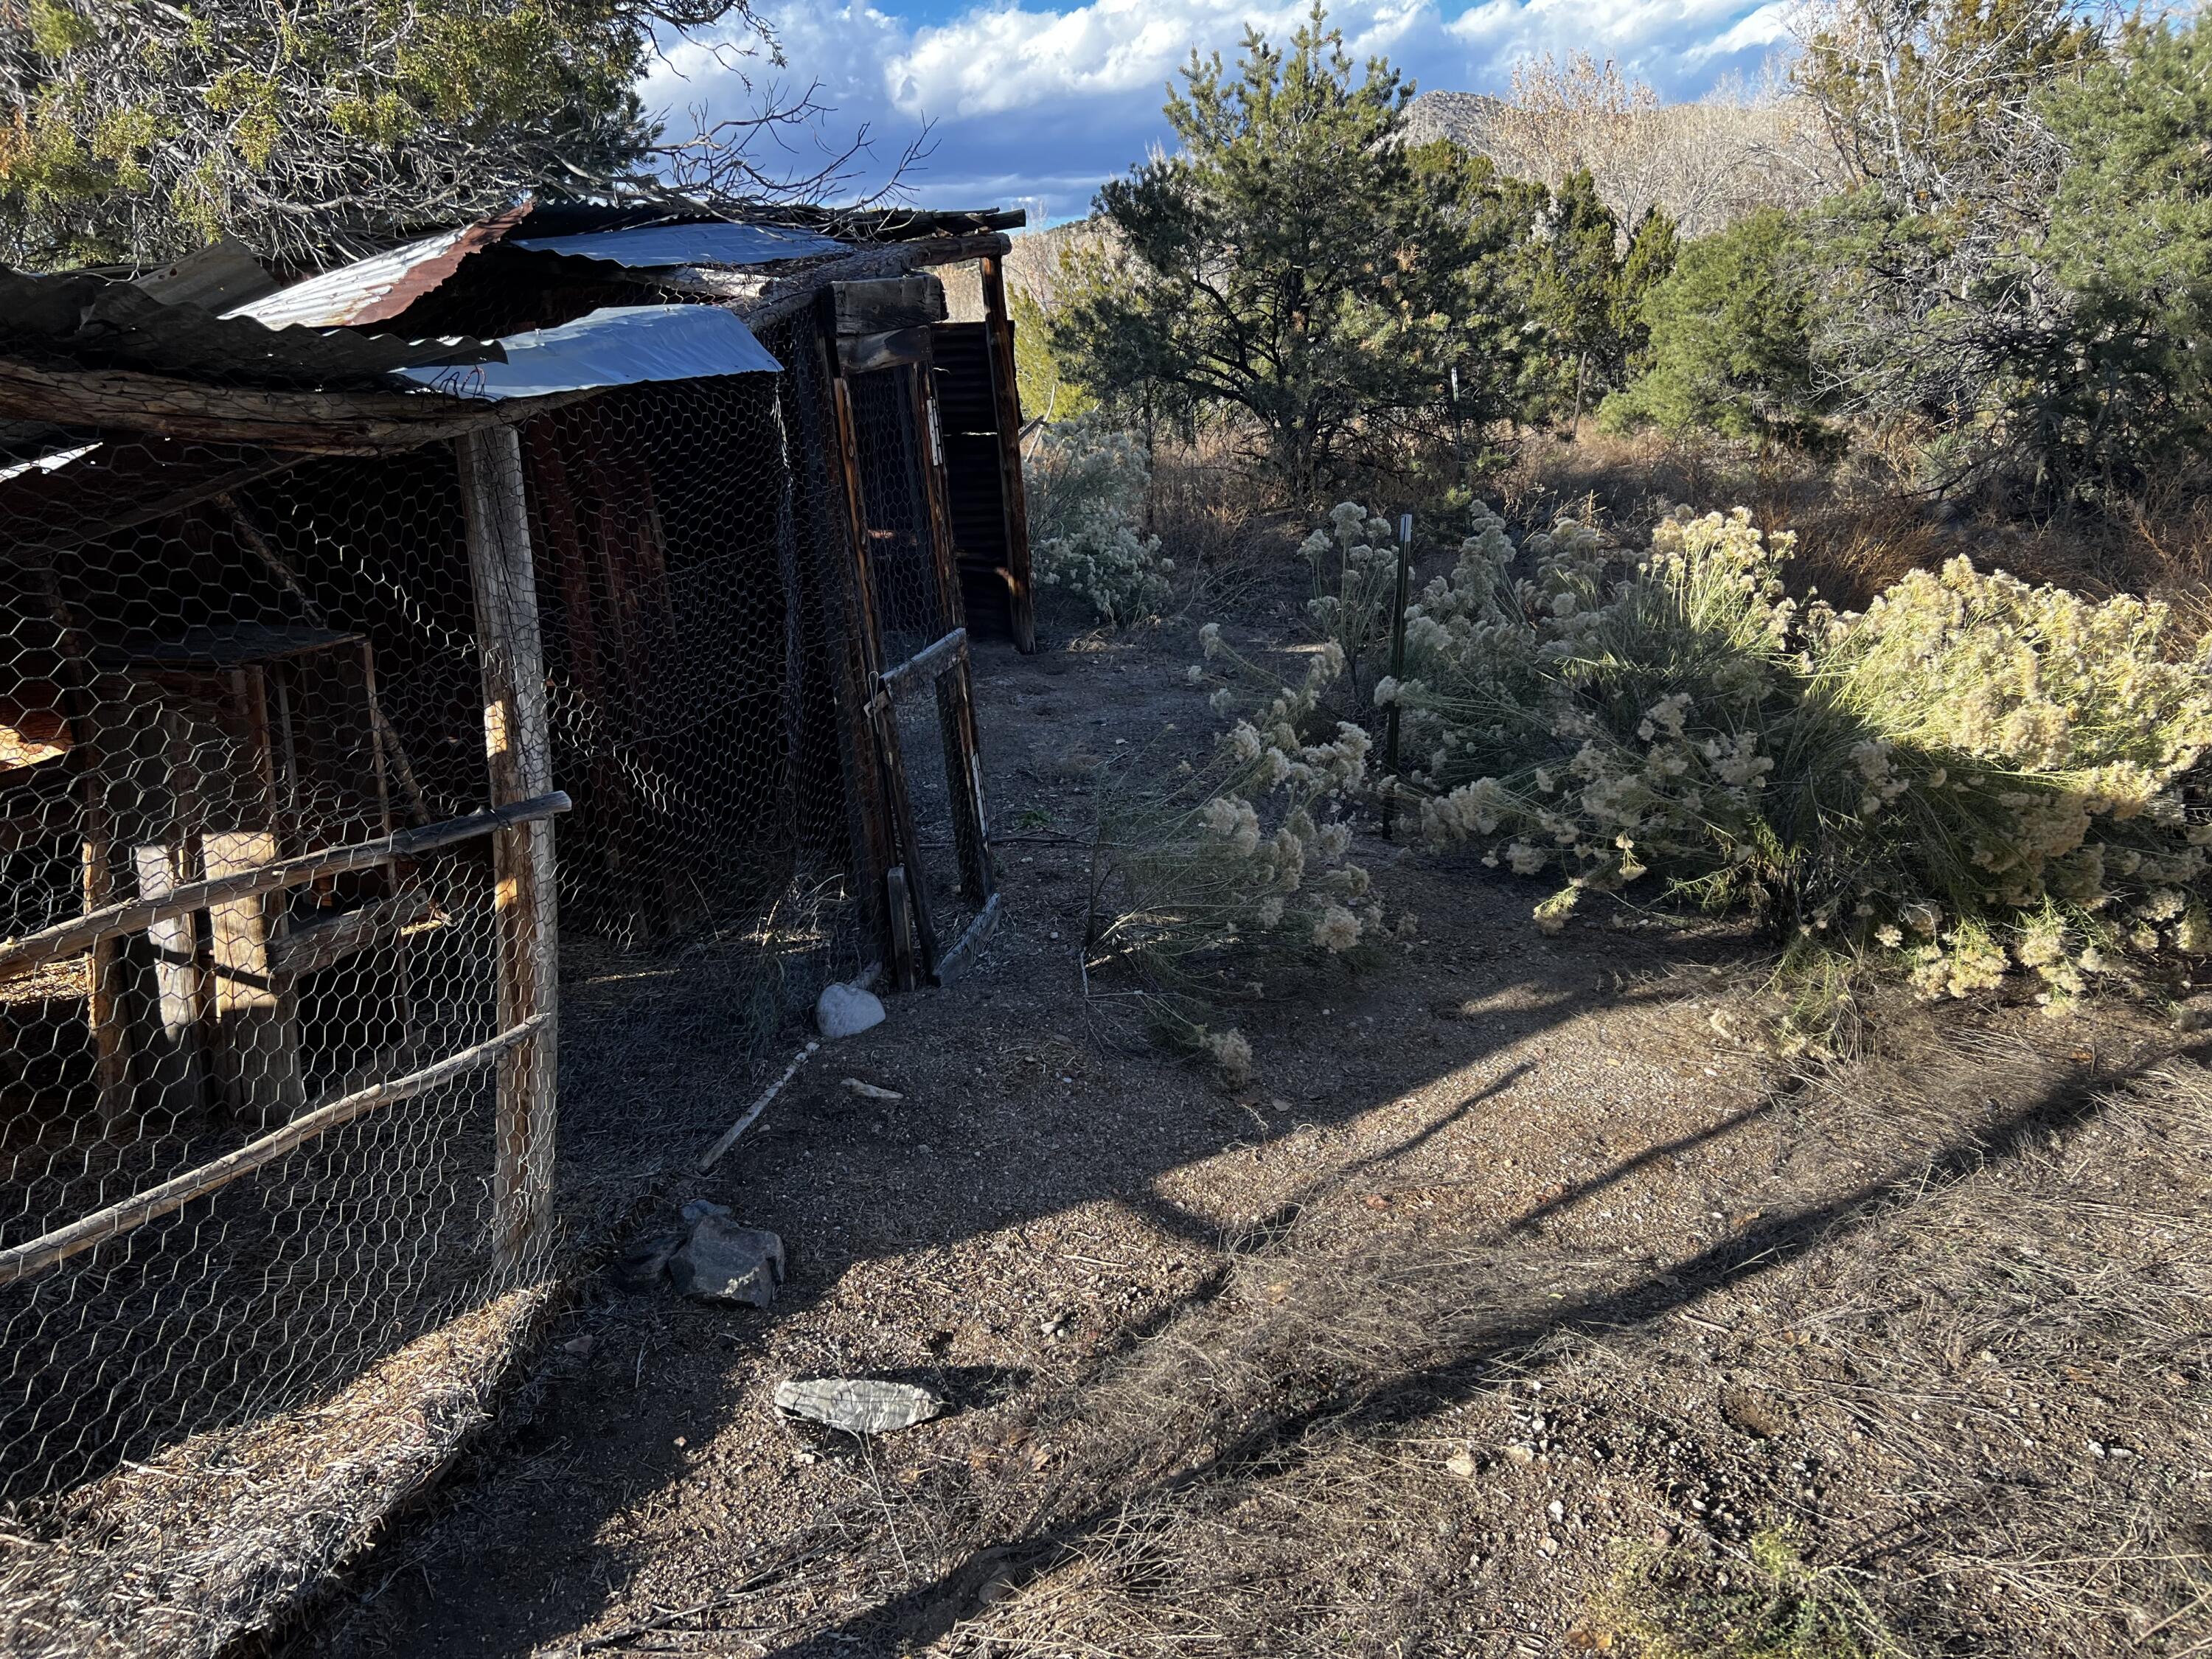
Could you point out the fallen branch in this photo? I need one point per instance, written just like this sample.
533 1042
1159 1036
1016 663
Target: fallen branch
713 1154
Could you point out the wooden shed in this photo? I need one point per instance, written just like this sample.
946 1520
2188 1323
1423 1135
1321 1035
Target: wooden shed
319 602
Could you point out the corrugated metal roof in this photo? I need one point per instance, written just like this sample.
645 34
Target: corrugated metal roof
710 244
89 322
618 346
378 289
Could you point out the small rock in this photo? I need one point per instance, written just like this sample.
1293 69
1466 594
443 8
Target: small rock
1547 1546
646 1260
1520 1455
871 1091
580 1347
722 1261
843 1011
1556 1509
858 1405
1461 1464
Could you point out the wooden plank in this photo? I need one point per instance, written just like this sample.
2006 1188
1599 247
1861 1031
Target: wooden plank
1006 391
311 423
178 1078
959 958
257 1036
971 829
75 937
901 809
104 972
38 1254
865 353
519 756
901 911
310 949
943 559
926 664
886 303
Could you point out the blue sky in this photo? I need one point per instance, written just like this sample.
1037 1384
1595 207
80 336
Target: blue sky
1033 105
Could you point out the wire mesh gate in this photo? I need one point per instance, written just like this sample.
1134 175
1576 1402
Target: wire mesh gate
940 897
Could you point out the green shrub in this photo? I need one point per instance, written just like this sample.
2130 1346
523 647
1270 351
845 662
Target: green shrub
1086 484
1972 775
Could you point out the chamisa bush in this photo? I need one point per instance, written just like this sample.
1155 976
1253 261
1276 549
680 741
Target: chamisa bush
1085 484
1971 776
1219 873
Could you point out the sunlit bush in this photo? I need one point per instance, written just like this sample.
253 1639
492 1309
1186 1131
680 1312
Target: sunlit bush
1084 482
1972 775
1215 875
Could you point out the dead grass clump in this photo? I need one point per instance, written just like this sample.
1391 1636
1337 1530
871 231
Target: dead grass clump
228 1533
1216 520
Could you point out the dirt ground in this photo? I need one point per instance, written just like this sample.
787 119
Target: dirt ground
1515 1301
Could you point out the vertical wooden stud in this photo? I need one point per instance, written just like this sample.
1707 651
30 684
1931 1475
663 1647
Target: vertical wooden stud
929 441
520 759
1006 397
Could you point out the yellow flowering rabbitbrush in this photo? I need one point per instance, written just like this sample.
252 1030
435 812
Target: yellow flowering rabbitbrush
1974 774
1240 865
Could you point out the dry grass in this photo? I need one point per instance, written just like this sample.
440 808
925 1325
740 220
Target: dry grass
1967 1390
1860 528
225 1532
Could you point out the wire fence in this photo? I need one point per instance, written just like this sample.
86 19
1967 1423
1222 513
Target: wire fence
279 741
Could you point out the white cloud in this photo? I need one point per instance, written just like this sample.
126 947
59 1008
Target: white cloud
1027 100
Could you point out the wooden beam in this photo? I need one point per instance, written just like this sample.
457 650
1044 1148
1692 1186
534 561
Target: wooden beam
887 303
519 754
74 938
311 423
311 948
862 352
257 1032
44 1252
926 664
1006 399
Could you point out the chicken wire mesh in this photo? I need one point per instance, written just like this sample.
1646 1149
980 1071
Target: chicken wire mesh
917 600
276 662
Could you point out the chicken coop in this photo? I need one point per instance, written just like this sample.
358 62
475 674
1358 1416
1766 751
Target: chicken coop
324 604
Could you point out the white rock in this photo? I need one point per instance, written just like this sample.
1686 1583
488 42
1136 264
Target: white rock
858 1405
844 1010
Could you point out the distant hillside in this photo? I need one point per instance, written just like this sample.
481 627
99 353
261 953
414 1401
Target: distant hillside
1707 164
1033 267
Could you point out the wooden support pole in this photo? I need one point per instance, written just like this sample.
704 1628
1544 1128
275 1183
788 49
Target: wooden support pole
519 756
1006 399
104 972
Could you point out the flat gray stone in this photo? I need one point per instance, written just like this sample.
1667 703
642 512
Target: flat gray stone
858 1405
722 1261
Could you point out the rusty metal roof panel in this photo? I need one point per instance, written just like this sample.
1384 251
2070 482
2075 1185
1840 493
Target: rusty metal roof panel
86 322
378 289
645 247
617 345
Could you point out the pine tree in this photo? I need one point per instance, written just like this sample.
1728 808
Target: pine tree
1288 262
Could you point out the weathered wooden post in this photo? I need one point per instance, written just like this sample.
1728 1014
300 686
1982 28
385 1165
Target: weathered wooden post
999 334
520 755
1397 664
